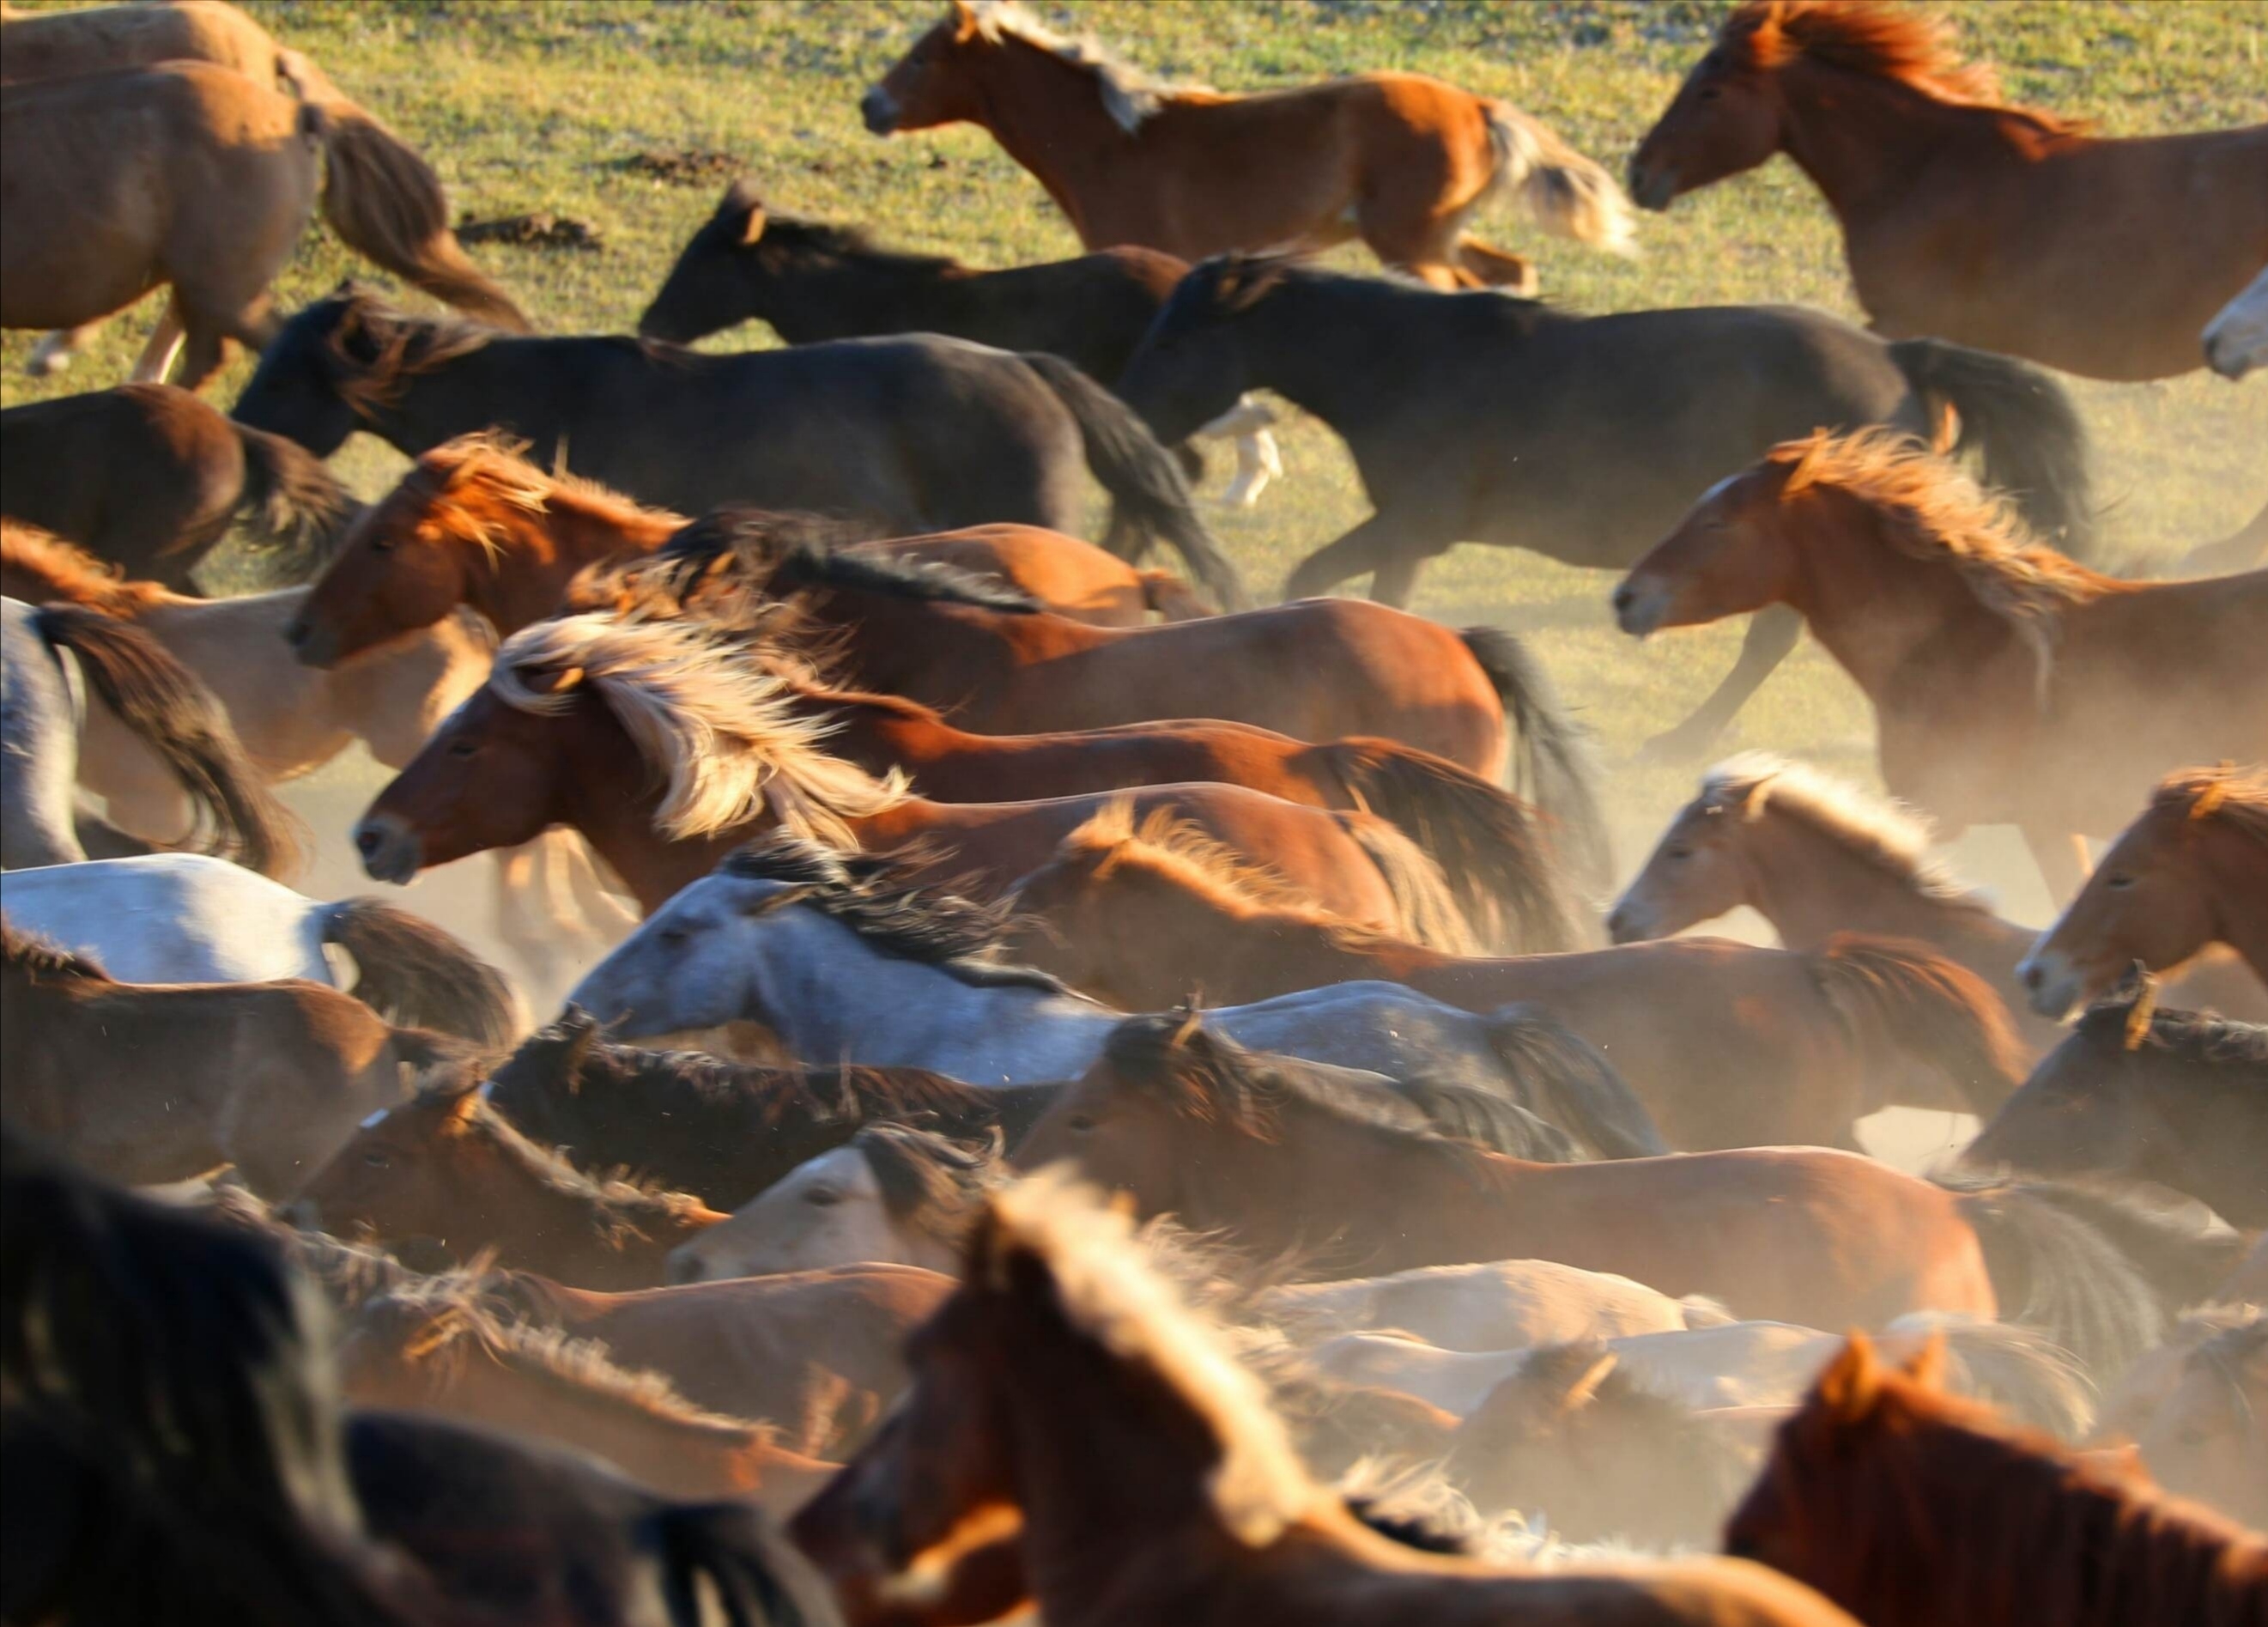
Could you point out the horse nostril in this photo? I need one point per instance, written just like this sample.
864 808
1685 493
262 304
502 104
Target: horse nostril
1625 597
2032 976
367 840
295 632
1616 922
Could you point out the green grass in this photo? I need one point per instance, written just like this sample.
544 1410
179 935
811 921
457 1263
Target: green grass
529 106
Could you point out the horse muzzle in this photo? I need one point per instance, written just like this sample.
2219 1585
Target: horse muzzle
389 849
1653 186
2050 983
880 109
1639 607
315 646
1627 925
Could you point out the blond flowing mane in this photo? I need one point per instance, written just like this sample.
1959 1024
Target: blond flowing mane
475 487
59 569
1883 833
1110 1292
704 714
1180 847
2234 796
1130 96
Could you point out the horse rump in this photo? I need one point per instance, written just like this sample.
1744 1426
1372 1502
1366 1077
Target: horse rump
415 976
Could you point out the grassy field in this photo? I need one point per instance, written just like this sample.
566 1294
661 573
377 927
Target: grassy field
540 104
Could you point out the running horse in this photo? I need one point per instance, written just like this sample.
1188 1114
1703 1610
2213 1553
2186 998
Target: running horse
1963 217
1398 160
2010 686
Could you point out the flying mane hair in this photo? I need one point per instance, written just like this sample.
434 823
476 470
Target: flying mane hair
41 958
402 346
791 550
1130 96
2201 1037
2235 797
467 485
65 571
929 1182
1886 834
1209 1078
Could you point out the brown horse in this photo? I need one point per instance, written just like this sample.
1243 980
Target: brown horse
446 1168
1067 1393
570 701
1921 1509
2009 685
2192 871
150 1084
1727 1046
195 175
1964 218
1398 160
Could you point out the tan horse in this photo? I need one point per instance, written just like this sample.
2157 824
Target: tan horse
2010 686
1397 159
2001 227
201 177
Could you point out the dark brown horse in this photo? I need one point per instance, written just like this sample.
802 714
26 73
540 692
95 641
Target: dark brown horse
1921 1509
1962 217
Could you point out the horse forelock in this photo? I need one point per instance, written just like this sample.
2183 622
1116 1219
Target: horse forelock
1128 95
1882 833
65 570
404 347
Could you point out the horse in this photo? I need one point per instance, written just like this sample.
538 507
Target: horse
158 702
2190 869
1068 1390
2207 1439
1798 1044
725 1129
1399 159
151 478
446 1166
2009 685
2146 1095
1580 437
1814 855
2236 341
1921 1508
568 701
1498 1305
914 433
812 281
187 919
1964 216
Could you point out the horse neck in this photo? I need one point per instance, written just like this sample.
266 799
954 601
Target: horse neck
1810 885
890 636
541 552
1862 138
1874 607
1049 116
1224 942
613 811
860 294
2238 865
880 732
1320 346
479 391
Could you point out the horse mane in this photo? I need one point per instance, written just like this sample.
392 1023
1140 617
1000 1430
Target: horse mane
1130 95
2200 1039
1909 47
801 232
2232 796
1885 835
799 550
65 570
705 714
43 959
1207 1077
404 347
931 1183
474 486
1106 1288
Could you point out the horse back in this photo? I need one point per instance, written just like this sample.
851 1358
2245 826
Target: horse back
95 38
128 473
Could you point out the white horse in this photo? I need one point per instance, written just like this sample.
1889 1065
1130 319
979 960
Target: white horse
2236 341
1499 1304
185 918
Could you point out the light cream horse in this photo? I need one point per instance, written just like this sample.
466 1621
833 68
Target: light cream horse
149 144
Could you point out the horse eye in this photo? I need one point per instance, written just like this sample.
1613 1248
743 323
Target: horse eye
1710 92
375 1160
2119 883
1080 1124
671 937
1679 851
381 543
825 1197
463 748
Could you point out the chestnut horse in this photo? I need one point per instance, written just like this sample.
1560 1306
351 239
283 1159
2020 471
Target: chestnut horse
1072 1419
571 703
2009 685
1962 217
1398 160
1727 1046
1920 1508
2192 869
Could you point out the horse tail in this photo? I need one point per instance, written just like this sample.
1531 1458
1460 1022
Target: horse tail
1905 1004
1486 841
386 203
168 709
290 501
1141 478
2021 421
728 1559
1171 598
2018 1369
1566 193
1572 1082
1423 903
1553 763
411 972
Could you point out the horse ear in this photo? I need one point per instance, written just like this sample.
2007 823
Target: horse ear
1752 805
551 680
1585 1389
2139 1015
966 23
750 212
1927 1367
1848 1385
2210 799
1806 465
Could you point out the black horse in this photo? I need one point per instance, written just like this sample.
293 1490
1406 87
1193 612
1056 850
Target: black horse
1476 417
915 434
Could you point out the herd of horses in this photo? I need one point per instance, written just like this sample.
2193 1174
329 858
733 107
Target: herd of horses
1086 1095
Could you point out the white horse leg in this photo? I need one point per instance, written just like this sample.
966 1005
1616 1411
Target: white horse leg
55 350
1257 460
164 343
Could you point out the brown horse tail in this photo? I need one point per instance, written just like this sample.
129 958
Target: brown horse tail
386 203
1566 192
1488 842
730 1553
290 501
1569 1081
2020 423
1426 908
1152 499
165 706
1173 599
410 972
1553 763
1906 1004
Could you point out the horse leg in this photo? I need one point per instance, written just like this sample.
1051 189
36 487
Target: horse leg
1494 268
202 353
55 350
1375 546
1772 633
2063 858
164 344
1394 581
1257 460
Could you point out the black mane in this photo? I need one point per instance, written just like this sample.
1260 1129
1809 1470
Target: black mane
1204 1074
799 550
39 957
2201 1038
801 235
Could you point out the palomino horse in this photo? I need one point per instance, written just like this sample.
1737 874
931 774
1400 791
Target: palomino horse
197 176
812 282
570 702
915 434
151 478
1071 1418
1398 160
1962 217
2009 685
1920 1509
2236 341
2192 869
1728 1046
2208 1437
